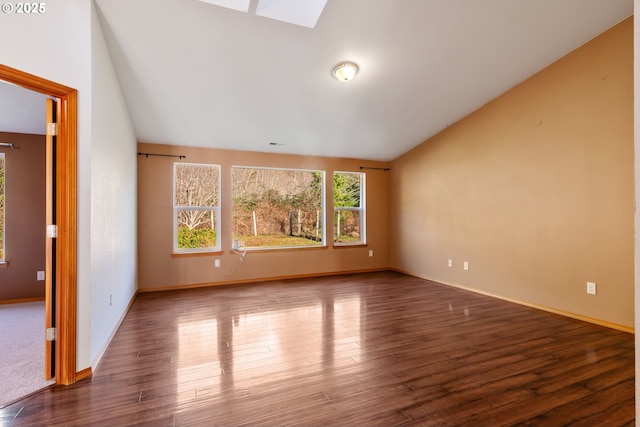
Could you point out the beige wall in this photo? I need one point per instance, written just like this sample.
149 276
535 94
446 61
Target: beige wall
535 190
25 217
158 268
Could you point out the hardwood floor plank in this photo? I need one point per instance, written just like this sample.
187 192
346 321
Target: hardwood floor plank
375 349
459 409
515 411
607 407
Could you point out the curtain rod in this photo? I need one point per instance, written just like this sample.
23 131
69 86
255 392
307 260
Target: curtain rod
6 144
162 155
377 169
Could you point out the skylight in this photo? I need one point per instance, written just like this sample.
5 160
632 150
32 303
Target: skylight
298 12
239 5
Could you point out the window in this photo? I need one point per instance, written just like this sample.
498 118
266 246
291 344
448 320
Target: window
276 208
2 255
349 208
196 207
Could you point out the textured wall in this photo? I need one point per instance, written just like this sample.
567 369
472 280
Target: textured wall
535 190
159 268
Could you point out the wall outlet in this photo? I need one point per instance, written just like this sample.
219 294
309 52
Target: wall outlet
217 262
40 275
466 266
370 252
450 263
591 288
110 300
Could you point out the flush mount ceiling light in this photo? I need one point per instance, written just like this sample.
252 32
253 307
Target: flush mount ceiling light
345 71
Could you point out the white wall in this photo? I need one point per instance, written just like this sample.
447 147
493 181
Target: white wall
27 43
57 45
113 199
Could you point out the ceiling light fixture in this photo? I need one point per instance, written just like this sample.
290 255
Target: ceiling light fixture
345 71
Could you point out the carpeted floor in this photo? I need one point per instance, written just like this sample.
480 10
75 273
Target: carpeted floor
21 350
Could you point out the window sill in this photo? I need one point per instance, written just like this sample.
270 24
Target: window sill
346 245
195 254
4 264
283 248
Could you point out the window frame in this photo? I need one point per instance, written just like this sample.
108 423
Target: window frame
323 207
362 210
215 209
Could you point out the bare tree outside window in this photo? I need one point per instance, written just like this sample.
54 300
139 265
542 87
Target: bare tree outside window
277 207
196 207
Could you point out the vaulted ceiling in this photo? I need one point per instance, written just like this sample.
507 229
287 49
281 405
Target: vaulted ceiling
197 74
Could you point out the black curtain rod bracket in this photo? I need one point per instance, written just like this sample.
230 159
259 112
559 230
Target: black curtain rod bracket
162 155
377 169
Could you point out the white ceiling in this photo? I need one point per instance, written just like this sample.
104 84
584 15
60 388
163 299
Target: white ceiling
198 74
21 110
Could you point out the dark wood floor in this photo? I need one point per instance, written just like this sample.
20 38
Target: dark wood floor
379 349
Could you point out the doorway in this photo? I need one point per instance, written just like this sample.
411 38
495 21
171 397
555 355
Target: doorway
61 306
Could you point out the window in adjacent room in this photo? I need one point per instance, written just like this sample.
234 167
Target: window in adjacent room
349 208
196 207
2 250
278 208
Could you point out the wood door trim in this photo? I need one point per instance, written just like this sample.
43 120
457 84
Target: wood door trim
66 212
49 368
